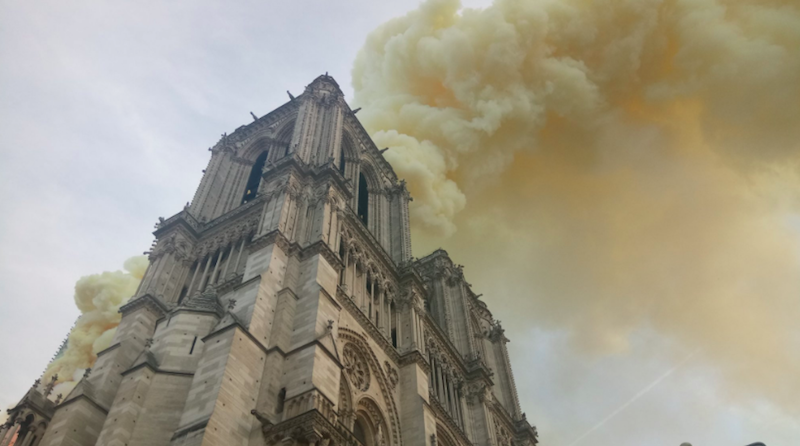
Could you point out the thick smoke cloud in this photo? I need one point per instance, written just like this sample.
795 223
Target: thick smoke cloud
608 167
99 297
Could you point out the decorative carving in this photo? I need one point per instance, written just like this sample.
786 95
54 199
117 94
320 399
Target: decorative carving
379 441
476 392
265 423
393 417
504 437
391 374
496 333
356 367
48 389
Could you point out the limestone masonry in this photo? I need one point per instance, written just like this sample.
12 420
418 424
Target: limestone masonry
283 307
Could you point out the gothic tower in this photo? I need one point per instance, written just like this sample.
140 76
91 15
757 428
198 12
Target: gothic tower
282 306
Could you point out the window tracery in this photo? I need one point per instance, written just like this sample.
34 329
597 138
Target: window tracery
356 367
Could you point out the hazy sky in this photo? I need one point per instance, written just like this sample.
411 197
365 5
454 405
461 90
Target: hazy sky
107 111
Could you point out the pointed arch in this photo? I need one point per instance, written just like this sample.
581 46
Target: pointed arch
345 407
348 153
283 138
254 179
372 421
370 172
392 416
349 147
363 199
444 437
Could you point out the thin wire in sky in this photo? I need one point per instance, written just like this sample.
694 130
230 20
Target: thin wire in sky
635 397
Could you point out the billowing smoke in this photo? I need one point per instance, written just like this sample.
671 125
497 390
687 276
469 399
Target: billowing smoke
608 167
99 297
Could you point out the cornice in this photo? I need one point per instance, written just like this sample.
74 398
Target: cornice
148 301
415 357
322 248
87 398
156 370
181 219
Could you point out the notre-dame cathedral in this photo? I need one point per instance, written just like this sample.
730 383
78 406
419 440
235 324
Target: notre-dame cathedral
283 307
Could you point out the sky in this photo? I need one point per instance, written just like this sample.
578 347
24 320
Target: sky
108 110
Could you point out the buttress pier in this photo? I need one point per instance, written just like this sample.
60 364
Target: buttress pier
283 307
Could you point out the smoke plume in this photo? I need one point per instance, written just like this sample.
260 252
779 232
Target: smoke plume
98 297
608 167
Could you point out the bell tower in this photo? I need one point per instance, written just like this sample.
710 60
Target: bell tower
282 306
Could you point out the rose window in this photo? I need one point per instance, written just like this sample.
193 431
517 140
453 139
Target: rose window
356 368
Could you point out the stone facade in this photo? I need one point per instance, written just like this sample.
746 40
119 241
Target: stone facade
282 306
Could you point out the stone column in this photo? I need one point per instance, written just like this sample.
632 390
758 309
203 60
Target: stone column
194 277
459 418
452 397
39 438
345 260
239 255
213 279
26 441
371 296
439 382
432 375
381 314
10 434
202 286
228 262
420 331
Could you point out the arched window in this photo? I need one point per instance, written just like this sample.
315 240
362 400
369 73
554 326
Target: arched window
341 161
281 400
360 433
255 178
363 199
393 323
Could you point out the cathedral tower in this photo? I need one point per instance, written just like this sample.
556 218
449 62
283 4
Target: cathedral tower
282 307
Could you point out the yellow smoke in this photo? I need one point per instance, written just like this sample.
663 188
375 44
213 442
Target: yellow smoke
608 166
98 297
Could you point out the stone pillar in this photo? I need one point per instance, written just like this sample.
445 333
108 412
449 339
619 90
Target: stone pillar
202 286
371 297
432 374
213 279
26 440
239 255
194 277
343 279
452 397
228 262
459 408
439 383
381 314
39 438
10 434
